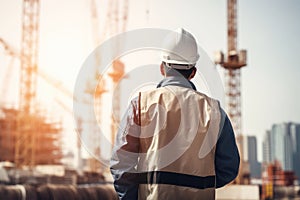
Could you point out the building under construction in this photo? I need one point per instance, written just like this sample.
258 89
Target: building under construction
27 136
47 140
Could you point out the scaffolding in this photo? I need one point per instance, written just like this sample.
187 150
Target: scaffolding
47 131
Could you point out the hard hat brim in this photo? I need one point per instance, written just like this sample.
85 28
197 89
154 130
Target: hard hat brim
179 65
178 62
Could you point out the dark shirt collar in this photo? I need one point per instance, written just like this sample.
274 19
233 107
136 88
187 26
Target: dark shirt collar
178 81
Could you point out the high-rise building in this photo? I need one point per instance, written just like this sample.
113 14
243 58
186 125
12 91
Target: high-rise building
277 144
254 165
282 144
295 135
267 148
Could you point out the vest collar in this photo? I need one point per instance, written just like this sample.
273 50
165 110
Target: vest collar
178 81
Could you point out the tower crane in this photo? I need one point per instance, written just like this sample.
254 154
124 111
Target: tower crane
25 141
97 92
116 23
232 63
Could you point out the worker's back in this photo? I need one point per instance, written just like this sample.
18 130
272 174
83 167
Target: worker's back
174 161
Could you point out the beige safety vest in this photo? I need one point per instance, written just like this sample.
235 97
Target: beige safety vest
179 131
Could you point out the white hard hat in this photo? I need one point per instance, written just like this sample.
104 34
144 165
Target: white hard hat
180 47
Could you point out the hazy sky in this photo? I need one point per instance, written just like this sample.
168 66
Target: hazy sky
269 30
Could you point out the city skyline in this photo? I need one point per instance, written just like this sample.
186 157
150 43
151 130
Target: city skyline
282 144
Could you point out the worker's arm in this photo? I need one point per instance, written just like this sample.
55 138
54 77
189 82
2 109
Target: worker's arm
125 155
227 159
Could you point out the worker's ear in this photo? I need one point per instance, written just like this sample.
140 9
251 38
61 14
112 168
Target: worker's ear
162 69
193 73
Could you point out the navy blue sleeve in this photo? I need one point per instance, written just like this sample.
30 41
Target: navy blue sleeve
127 187
227 159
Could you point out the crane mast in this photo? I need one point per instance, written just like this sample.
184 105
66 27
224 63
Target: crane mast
232 62
29 53
115 22
117 18
25 142
97 92
235 61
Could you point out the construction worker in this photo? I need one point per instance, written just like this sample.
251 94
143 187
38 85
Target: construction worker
174 142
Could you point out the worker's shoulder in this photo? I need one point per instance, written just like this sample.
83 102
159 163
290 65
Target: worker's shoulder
182 91
206 96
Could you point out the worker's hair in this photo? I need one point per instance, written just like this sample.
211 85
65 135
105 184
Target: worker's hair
177 72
